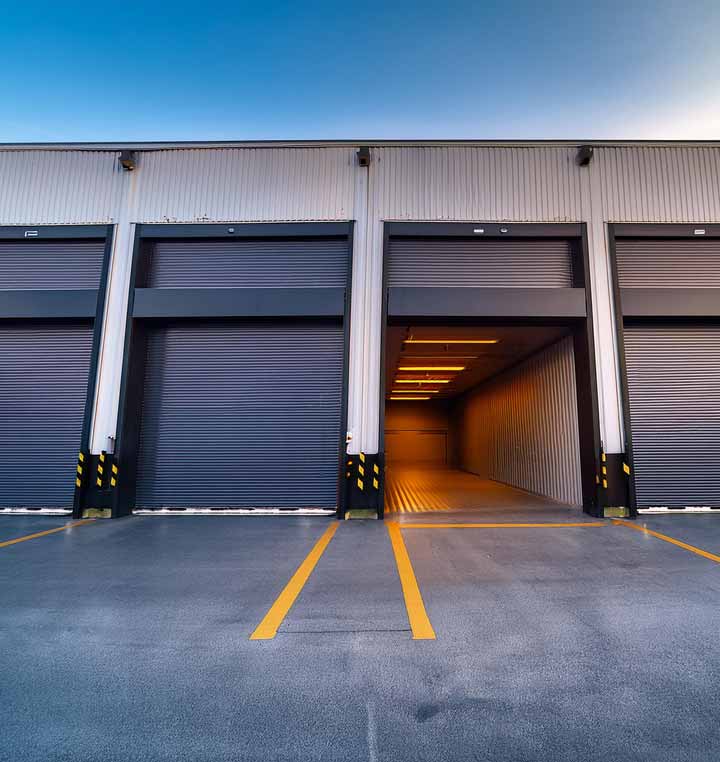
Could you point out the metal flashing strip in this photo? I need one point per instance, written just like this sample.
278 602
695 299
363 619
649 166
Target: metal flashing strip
535 303
160 230
238 302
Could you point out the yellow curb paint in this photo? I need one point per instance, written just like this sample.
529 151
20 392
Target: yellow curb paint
42 534
267 629
672 540
505 526
417 616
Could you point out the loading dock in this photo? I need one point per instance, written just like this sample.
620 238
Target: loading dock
667 289
489 391
52 295
235 381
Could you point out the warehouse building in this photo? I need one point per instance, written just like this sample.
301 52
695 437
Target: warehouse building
357 328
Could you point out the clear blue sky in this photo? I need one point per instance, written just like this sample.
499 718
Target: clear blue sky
300 70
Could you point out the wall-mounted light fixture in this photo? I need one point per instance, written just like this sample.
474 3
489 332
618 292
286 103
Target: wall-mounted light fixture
584 155
363 156
127 160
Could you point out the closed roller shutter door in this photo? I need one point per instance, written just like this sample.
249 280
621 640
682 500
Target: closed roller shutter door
249 264
678 263
50 264
241 415
674 391
43 384
457 263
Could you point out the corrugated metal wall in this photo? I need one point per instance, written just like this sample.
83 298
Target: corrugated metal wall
521 183
521 428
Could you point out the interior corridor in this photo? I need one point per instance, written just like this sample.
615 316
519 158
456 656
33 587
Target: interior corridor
427 489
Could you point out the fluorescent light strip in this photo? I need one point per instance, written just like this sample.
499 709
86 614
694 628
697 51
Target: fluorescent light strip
451 341
422 380
431 367
409 399
407 391
441 358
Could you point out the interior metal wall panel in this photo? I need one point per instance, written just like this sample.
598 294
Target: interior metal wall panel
668 263
673 377
43 384
249 264
521 428
51 264
458 263
241 415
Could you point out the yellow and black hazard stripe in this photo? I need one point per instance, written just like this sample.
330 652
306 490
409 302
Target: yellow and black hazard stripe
100 475
79 470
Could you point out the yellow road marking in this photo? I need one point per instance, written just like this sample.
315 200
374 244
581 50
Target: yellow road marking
671 540
267 629
504 526
47 531
419 621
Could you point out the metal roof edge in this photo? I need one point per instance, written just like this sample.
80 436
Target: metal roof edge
419 143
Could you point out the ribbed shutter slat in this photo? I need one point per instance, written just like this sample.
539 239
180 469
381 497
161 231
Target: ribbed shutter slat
249 264
674 392
457 263
240 414
43 384
669 263
50 264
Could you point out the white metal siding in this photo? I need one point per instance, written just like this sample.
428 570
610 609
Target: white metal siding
60 187
246 184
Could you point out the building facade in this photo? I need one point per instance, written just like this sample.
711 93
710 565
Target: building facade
152 269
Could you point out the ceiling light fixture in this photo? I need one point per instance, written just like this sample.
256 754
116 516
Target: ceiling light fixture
431 367
409 399
424 391
451 341
422 380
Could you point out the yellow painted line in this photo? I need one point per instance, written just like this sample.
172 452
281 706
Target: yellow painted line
267 629
419 621
47 531
672 540
505 526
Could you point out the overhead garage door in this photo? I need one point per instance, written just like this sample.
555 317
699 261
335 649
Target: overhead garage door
44 366
43 385
240 414
673 374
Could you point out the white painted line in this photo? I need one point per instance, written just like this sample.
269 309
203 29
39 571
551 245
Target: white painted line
689 509
37 511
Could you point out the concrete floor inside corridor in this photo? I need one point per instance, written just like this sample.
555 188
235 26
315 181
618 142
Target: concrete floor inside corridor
419 489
